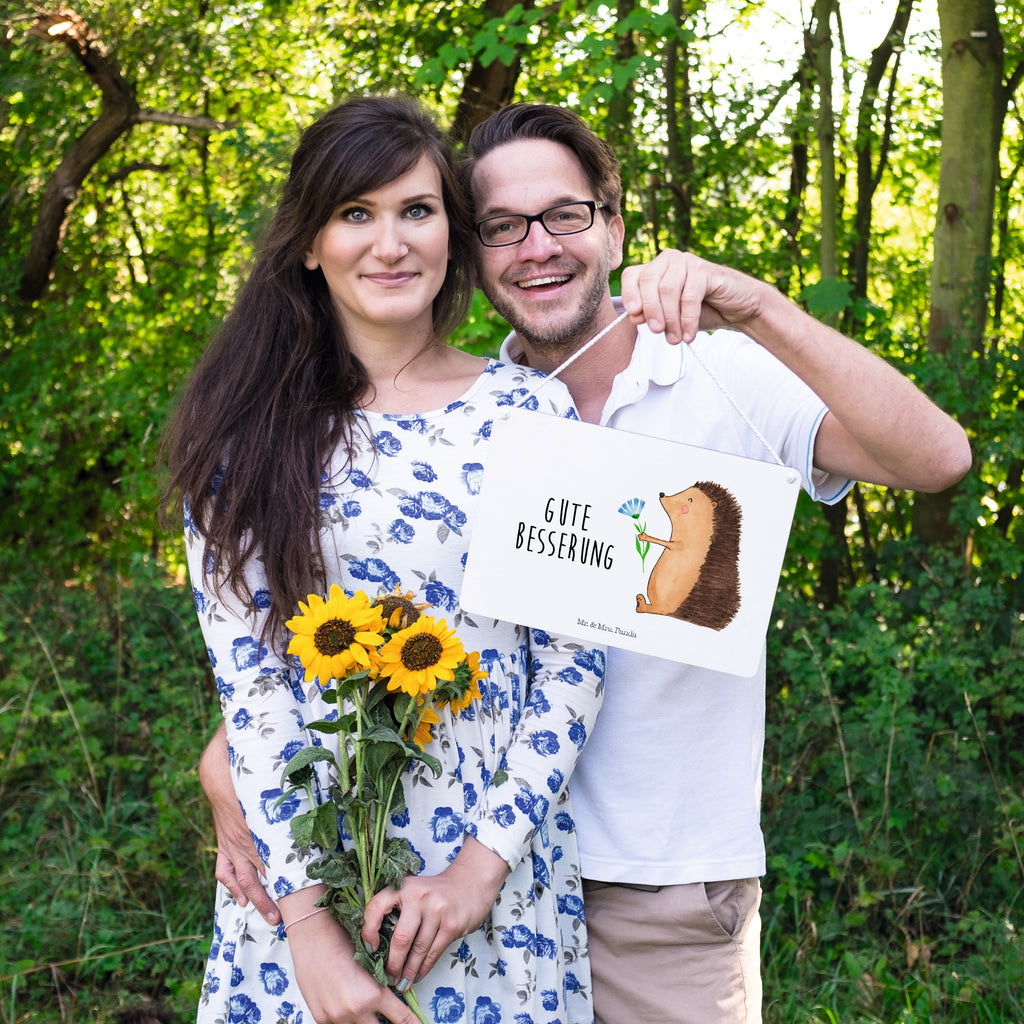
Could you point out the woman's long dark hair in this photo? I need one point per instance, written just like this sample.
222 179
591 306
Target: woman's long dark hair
274 394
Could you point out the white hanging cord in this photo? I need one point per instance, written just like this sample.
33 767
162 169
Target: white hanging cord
590 344
693 352
732 401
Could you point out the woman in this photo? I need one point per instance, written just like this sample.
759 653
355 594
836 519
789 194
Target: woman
329 435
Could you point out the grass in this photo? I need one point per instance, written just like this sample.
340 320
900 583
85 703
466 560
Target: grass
893 809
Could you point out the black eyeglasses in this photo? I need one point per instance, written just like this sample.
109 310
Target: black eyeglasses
564 219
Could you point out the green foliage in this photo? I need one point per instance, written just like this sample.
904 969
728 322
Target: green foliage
893 800
893 781
107 867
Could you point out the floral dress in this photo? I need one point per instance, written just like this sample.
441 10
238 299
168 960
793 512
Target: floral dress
402 516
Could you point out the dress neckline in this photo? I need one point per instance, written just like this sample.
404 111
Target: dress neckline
371 415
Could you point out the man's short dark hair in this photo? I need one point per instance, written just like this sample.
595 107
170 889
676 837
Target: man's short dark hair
521 121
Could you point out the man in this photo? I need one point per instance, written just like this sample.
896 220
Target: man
667 792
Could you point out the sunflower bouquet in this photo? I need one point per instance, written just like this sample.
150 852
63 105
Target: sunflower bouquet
390 669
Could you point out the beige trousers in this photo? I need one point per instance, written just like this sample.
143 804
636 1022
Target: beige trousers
675 954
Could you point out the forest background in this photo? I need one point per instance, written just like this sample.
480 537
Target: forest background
866 158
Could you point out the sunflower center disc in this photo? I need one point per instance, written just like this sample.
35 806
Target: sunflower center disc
421 651
334 636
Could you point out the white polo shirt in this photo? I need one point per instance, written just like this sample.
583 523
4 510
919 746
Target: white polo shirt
668 789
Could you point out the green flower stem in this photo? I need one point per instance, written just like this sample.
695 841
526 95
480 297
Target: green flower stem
414 1004
361 832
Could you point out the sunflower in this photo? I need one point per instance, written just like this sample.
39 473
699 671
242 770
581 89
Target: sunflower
399 609
332 636
417 657
472 693
423 734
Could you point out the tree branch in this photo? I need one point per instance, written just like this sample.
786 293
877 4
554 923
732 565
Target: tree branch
119 112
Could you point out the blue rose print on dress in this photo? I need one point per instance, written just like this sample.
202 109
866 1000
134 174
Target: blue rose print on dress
414 424
237 977
473 476
262 600
539 702
504 815
424 472
572 905
487 1011
545 742
555 781
533 805
578 734
327 501
274 978
484 433
241 718
440 596
199 599
549 999
546 947
541 875
541 637
519 937
289 750
242 1010
564 822
274 811
246 652
401 531
374 570
386 443
282 887
351 509
446 825
357 478
448 1006
590 660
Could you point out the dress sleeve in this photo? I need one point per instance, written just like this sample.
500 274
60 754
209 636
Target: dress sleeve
263 706
564 696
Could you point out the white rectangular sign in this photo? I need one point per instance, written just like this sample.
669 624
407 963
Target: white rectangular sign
630 541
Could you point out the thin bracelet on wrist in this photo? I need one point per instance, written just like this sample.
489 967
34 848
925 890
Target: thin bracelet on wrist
312 913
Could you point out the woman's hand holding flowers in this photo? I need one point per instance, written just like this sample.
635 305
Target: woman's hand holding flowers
435 910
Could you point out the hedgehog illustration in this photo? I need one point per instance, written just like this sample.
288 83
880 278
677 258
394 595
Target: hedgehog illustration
696 577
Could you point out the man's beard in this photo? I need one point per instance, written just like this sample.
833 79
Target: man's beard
569 335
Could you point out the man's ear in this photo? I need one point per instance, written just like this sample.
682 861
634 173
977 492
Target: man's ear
616 236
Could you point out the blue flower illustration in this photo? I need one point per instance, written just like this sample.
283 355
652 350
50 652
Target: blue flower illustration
273 811
242 1010
487 1011
440 596
401 531
472 476
387 444
446 825
448 1005
634 508
545 742
424 472
246 652
274 978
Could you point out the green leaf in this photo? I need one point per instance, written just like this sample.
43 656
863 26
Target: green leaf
299 769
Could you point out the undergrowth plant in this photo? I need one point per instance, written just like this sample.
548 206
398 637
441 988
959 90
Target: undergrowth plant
106 885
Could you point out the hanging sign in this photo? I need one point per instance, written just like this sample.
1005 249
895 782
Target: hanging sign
630 541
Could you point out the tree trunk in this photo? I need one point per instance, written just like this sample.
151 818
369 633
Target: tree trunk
117 115
973 105
487 89
819 55
679 132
